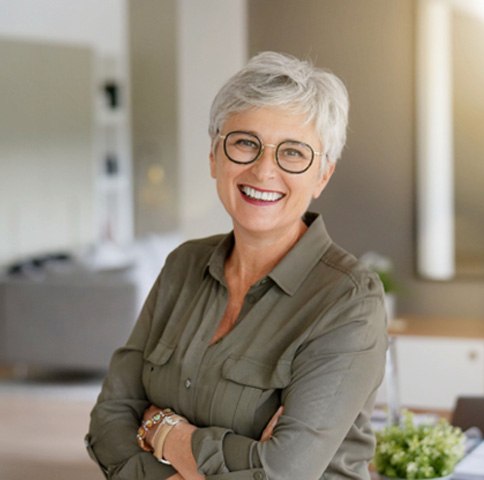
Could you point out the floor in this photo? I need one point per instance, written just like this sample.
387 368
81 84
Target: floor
42 425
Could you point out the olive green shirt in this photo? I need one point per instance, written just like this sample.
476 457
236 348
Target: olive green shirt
310 336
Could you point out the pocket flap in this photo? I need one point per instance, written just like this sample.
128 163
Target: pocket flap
252 372
161 354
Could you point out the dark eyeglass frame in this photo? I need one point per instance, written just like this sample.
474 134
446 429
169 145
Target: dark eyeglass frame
262 146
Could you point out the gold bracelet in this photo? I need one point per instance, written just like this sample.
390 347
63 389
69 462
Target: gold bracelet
147 425
159 438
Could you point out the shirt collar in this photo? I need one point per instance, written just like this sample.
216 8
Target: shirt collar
216 262
292 270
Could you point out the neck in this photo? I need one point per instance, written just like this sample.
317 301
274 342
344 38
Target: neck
253 257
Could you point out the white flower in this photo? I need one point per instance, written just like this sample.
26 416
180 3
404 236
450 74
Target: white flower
412 468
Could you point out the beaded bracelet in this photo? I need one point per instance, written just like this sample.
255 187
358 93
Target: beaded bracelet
147 425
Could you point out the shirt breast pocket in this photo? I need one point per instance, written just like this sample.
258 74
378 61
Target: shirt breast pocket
156 373
246 384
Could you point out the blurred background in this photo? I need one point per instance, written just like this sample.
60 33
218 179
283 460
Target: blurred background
104 169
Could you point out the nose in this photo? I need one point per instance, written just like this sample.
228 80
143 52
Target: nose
266 164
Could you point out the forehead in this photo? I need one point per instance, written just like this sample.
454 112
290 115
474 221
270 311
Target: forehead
272 123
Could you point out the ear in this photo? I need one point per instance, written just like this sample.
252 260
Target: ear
324 180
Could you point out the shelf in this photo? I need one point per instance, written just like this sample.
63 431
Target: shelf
113 175
472 328
115 184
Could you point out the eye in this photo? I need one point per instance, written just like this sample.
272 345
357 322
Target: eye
294 152
243 141
246 143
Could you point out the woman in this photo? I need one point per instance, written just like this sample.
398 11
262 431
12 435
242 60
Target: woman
266 344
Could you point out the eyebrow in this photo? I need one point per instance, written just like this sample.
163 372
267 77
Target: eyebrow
252 132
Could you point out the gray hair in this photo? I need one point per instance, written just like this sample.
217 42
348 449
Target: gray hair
280 80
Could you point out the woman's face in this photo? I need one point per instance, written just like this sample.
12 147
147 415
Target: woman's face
260 197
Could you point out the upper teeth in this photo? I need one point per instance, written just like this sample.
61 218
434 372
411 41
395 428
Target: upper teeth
258 195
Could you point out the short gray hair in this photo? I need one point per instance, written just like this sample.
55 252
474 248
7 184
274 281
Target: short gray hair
273 79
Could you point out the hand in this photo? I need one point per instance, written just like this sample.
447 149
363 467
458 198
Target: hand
177 447
267 433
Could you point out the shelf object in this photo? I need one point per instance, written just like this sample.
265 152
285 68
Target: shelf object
114 221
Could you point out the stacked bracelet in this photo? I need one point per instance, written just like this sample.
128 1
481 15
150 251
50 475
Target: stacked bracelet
162 432
163 421
147 425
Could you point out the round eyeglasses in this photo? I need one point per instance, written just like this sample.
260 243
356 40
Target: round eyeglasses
291 156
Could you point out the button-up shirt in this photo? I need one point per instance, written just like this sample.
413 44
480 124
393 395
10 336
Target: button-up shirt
310 336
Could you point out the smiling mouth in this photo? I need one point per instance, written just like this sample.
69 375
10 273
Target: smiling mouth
261 196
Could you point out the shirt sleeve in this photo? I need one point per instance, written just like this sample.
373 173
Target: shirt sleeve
334 377
115 418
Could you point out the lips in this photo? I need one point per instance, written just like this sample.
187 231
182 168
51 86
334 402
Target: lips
260 195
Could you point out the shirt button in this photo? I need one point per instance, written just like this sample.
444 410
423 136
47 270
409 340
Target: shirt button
259 476
188 383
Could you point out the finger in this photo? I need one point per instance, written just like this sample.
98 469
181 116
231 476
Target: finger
150 411
271 425
275 418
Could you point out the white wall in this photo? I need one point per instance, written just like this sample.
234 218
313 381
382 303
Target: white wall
99 29
100 24
47 159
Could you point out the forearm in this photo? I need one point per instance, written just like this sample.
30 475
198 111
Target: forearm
112 444
173 441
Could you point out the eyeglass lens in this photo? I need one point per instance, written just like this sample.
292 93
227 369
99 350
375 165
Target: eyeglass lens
291 156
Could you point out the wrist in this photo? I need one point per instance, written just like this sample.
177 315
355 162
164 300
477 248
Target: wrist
167 425
149 427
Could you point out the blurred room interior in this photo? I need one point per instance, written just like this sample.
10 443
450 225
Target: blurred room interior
104 169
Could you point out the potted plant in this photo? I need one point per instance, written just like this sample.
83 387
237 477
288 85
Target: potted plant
383 266
416 451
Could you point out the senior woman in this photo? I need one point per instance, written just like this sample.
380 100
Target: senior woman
258 353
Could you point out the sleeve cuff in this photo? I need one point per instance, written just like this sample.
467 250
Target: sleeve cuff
240 453
207 448
218 451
